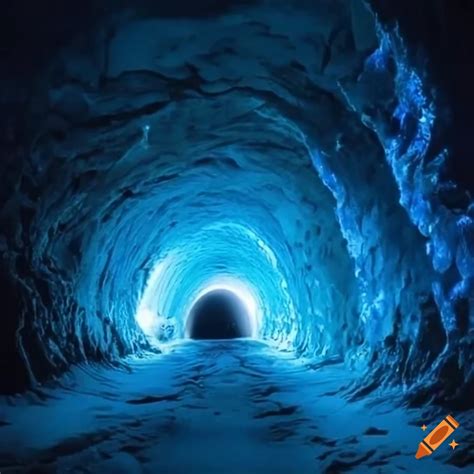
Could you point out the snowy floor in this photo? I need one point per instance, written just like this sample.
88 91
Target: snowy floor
213 407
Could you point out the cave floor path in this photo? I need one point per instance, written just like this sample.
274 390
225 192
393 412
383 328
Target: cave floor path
209 407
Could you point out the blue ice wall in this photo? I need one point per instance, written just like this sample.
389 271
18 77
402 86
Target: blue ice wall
239 216
160 179
411 129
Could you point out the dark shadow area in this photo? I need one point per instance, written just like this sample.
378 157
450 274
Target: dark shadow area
219 314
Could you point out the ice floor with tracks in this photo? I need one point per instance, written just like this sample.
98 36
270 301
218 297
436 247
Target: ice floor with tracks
229 407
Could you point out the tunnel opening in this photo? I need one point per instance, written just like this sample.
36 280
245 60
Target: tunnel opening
219 314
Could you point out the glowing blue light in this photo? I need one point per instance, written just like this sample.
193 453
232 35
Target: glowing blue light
378 60
221 255
146 133
147 320
147 316
465 221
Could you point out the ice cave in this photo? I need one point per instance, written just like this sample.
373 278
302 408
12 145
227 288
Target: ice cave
237 236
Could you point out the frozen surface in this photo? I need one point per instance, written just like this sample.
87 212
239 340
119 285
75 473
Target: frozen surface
214 407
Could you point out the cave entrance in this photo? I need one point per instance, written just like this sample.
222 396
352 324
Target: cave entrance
219 314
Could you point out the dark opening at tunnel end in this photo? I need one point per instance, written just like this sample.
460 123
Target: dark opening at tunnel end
219 314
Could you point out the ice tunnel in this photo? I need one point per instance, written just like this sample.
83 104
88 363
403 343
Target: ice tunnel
293 176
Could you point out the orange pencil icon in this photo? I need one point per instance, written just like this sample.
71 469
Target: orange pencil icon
437 436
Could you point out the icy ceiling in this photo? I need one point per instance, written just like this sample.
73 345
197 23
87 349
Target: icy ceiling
290 153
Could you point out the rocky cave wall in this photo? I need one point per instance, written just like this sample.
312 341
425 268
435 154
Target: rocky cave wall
297 147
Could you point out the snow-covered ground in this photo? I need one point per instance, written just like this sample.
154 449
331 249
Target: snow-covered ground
214 407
